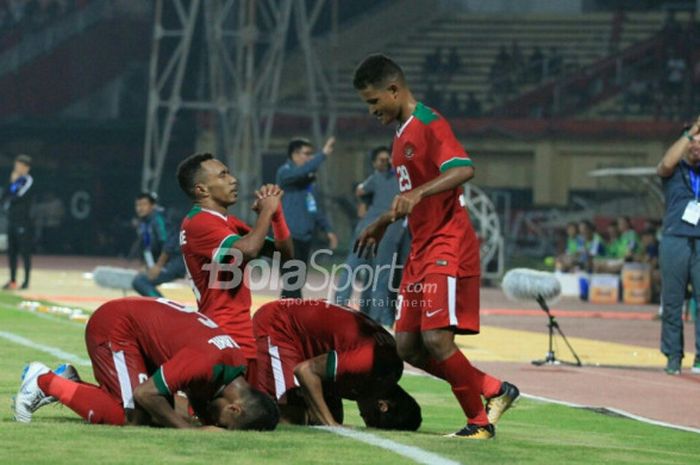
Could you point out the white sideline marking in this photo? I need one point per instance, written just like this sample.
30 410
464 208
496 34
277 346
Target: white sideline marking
56 352
414 453
617 411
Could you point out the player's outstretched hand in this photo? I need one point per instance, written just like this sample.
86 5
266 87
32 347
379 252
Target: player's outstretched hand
366 244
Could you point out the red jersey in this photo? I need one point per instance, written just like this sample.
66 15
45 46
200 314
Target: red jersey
206 238
183 350
359 349
443 240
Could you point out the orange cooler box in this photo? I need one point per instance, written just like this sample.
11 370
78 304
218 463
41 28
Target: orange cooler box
604 289
636 276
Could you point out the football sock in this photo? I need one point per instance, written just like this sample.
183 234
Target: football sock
490 386
465 387
87 400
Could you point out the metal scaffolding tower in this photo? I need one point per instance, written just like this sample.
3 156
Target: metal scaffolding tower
245 45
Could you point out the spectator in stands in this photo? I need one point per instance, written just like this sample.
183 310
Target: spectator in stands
675 76
433 63
568 258
615 252
555 63
679 170
472 108
160 249
454 63
517 63
590 246
535 66
629 239
672 33
296 177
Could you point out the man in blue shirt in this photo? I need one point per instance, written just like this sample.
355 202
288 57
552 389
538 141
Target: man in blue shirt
378 297
679 170
159 246
16 200
300 203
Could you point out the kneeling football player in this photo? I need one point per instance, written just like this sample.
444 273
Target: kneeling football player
143 351
312 354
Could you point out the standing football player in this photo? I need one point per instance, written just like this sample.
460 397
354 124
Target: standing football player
439 292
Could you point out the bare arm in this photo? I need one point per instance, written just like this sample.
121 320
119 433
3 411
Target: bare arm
676 152
157 405
310 374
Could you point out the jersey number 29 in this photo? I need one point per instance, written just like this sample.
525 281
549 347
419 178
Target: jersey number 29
404 179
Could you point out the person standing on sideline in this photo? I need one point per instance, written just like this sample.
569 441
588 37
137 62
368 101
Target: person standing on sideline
382 186
300 203
159 246
439 292
16 200
679 170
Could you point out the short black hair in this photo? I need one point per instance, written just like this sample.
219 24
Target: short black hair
187 172
297 143
374 153
26 159
152 197
261 412
375 70
403 414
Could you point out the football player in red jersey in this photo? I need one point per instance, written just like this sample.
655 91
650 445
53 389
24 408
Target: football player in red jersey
439 292
216 245
143 351
312 354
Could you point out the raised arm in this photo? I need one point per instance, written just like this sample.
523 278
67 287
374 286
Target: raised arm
677 151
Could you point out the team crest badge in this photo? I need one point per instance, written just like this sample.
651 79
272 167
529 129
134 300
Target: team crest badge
409 150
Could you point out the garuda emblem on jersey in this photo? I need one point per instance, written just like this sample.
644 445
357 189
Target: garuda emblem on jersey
409 150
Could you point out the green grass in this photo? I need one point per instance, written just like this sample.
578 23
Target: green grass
532 433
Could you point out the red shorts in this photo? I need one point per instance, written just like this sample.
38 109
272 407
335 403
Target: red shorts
439 301
275 367
118 369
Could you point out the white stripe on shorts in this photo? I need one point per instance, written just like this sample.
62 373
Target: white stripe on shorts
452 299
277 371
124 380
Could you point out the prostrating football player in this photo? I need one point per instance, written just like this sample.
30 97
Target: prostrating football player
144 351
312 354
439 292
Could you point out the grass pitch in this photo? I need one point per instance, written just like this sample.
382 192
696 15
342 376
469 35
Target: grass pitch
531 433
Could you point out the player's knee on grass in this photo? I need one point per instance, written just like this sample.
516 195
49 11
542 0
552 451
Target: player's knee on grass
397 410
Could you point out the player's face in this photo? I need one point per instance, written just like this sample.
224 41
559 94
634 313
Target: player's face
218 183
371 409
143 207
383 103
223 413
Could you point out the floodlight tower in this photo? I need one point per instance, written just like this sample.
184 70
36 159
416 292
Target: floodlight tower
245 49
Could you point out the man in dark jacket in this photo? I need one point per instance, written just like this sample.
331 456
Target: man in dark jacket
16 200
296 177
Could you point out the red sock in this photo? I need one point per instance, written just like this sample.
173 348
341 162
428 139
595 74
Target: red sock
490 386
87 400
465 386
